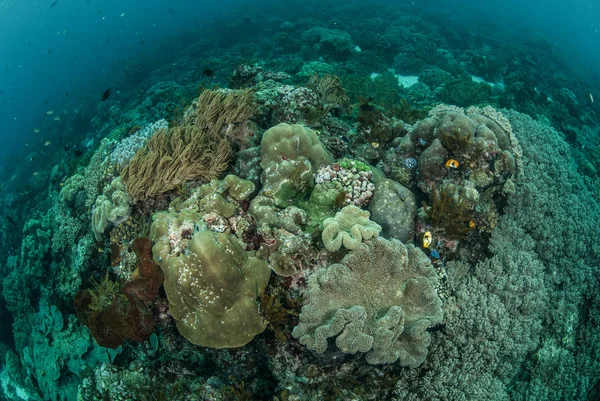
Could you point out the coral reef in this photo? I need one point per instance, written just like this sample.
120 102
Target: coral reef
290 155
127 148
393 208
114 315
111 208
380 300
349 228
212 288
302 159
197 149
354 184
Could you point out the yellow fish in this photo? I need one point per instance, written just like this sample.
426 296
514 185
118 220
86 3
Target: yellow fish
36 130
452 163
375 145
50 112
427 237
57 118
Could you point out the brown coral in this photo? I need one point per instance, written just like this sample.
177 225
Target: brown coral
197 149
114 317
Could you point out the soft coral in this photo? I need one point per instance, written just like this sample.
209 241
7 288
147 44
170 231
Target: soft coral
128 315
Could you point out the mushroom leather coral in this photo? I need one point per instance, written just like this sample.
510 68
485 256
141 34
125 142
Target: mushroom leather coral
379 300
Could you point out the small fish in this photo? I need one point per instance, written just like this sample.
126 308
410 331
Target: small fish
427 237
451 163
100 250
57 118
10 220
47 143
106 94
208 73
375 145
50 112
77 153
344 138
422 142
36 130
435 254
122 14
35 173
471 224
591 98
49 52
32 159
53 4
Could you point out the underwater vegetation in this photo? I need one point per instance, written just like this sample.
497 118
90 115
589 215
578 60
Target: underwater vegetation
310 226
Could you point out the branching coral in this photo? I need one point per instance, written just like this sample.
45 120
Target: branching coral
167 161
379 300
198 149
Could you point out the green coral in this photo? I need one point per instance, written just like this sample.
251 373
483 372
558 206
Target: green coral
60 353
71 187
325 199
212 287
111 208
218 196
34 247
290 155
379 300
239 188
357 164
349 228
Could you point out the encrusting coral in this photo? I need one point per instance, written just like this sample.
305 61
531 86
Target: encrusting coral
290 155
213 286
380 300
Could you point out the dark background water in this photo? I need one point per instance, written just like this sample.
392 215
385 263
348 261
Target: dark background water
51 56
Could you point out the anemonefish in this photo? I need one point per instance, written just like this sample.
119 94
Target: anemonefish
451 163
427 239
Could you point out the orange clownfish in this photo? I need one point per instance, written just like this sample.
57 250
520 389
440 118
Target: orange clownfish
452 163
427 239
